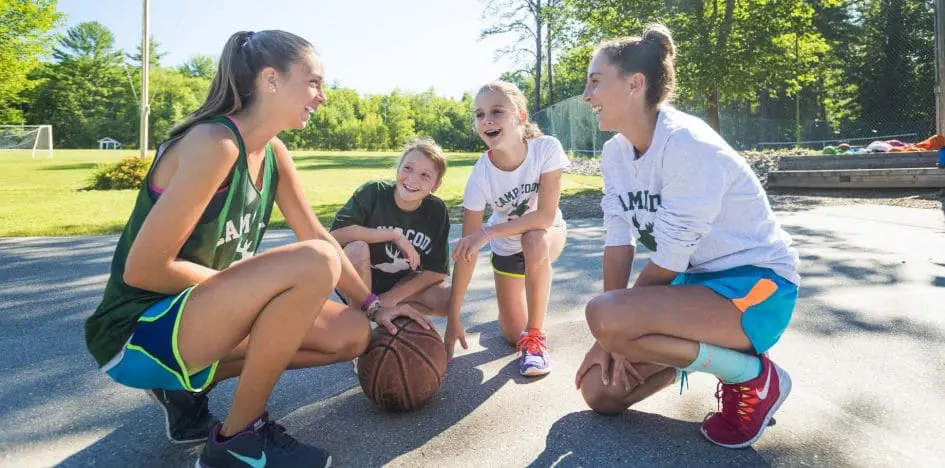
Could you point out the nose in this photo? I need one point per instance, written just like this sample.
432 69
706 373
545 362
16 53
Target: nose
586 96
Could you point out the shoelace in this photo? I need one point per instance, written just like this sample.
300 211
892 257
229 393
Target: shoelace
533 344
735 404
276 433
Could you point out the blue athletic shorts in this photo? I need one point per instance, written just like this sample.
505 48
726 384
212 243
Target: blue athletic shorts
151 358
765 299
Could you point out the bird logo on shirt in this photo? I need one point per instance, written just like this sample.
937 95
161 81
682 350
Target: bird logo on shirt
646 233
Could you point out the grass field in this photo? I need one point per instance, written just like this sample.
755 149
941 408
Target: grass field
43 197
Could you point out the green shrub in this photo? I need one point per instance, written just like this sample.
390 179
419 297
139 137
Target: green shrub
126 174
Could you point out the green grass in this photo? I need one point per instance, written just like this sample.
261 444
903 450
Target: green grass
42 197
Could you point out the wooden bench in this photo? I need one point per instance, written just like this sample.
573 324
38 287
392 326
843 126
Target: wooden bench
865 170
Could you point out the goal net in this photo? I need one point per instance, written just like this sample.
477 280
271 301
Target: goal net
34 141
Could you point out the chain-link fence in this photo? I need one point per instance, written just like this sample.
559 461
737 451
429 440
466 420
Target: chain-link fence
575 125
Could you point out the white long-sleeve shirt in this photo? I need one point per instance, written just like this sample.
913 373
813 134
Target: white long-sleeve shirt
692 200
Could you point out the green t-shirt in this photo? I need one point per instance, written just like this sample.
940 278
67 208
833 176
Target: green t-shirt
228 231
427 228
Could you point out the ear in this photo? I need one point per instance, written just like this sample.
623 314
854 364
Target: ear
637 83
269 79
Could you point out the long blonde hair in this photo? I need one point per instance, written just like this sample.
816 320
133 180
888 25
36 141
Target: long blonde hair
517 98
234 84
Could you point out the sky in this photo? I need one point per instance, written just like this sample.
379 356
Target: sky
373 46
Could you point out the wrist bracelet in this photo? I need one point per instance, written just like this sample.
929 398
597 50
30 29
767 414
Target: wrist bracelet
371 299
371 312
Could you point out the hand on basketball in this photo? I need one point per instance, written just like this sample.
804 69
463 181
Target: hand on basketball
454 332
386 314
407 249
469 245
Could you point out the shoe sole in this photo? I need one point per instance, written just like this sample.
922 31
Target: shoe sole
784 386
167 424
197 464
535 372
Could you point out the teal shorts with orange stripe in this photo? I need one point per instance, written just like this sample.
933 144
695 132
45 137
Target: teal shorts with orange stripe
766 299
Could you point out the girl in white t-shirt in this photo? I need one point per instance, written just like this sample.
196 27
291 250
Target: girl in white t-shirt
519 177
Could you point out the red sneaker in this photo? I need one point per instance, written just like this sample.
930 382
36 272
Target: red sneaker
747 407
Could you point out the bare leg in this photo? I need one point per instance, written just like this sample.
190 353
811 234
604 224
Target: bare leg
624 323
273 299
513 315
359 253
338 334
540 248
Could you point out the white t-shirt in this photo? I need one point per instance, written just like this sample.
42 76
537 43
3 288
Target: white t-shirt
692 200
513 193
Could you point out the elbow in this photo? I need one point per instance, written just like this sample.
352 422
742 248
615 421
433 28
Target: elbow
133 276
136 272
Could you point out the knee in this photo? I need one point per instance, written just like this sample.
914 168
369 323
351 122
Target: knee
596 313
319 264
512 334
603 399
358 252
442 298
535 246
512 329
609 321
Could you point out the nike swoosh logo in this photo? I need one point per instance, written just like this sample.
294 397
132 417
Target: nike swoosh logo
763 393
253 462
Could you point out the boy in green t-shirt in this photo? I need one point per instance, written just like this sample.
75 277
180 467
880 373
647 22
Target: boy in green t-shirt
396 233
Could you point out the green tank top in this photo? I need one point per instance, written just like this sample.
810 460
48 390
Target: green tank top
217 241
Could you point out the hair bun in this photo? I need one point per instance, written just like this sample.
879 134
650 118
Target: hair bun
660 35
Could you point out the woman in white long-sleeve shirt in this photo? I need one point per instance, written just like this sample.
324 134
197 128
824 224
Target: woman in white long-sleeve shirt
720 287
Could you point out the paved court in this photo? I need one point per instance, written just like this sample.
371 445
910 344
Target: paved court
865 352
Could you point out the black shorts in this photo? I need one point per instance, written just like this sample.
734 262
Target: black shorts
380 283
512 266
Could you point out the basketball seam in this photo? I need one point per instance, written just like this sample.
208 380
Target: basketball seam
377 375
405 383
422 356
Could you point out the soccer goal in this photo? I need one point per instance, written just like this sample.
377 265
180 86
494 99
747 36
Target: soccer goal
33 140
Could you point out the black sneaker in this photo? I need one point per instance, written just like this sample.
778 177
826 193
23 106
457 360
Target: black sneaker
187 415
262 443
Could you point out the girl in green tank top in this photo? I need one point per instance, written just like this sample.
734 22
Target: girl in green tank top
189 303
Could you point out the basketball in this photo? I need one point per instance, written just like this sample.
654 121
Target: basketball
401 372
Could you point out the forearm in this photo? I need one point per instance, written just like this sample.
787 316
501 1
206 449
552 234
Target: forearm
352 233
529 222
418 283
655 275
618 262
179 275
462 275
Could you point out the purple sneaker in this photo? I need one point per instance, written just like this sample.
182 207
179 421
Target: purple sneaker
534 360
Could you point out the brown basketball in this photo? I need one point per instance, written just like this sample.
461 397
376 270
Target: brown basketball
403 371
